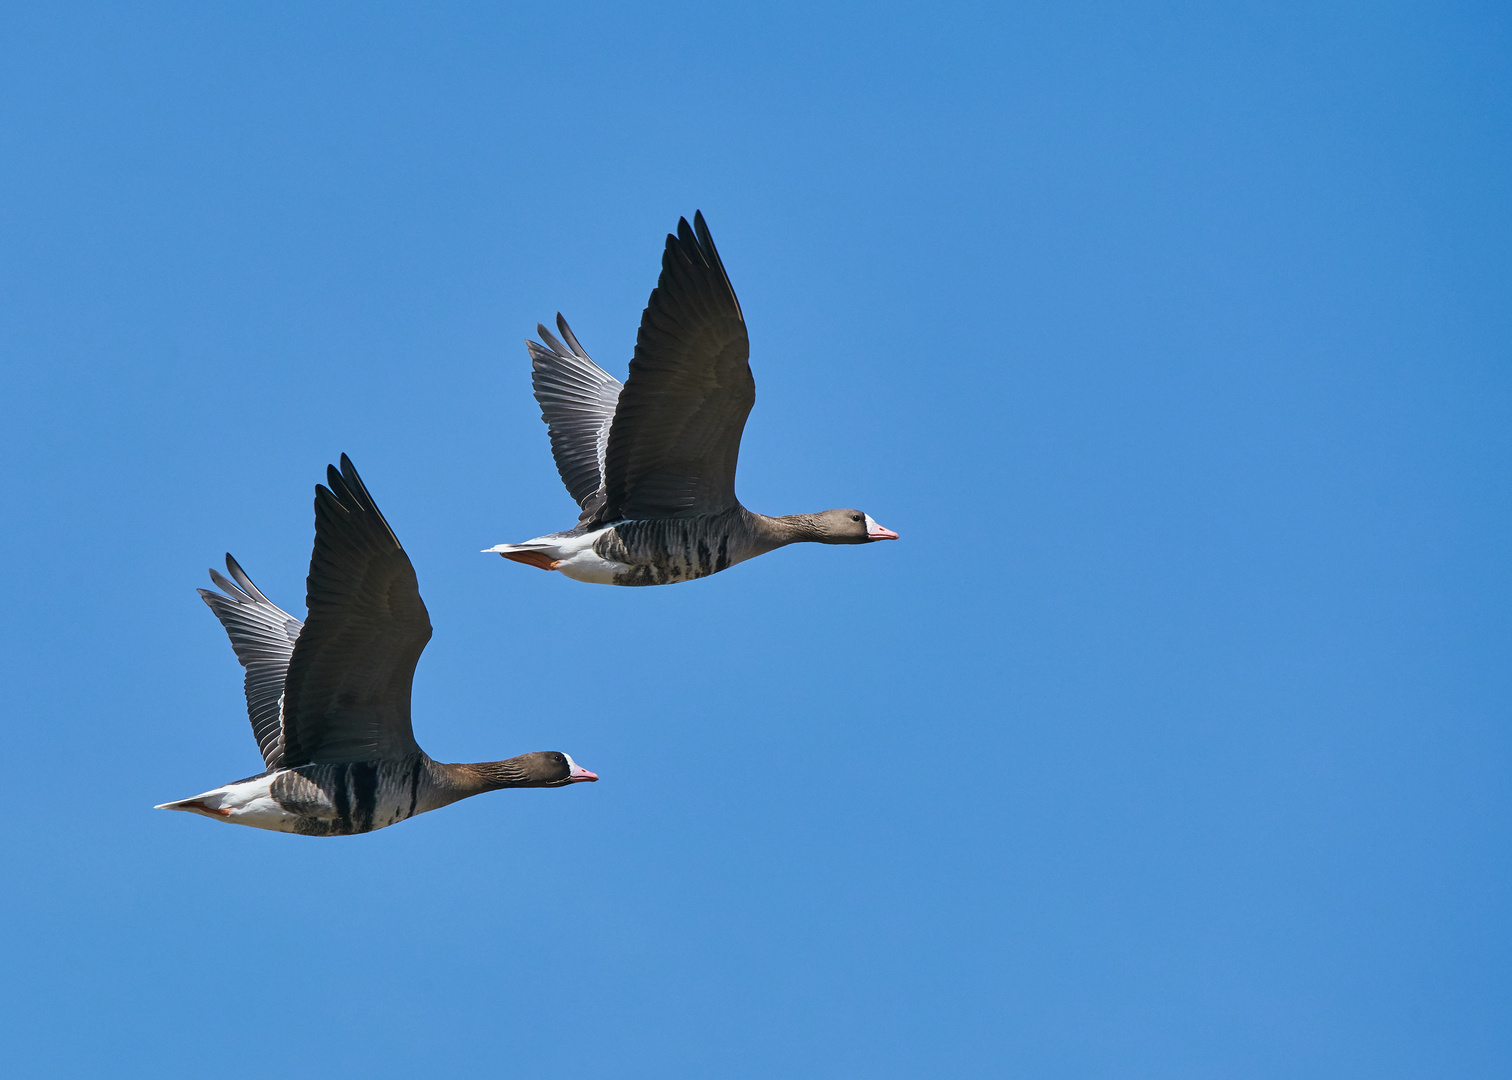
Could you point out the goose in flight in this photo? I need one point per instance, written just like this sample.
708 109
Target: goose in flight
329 698
652 463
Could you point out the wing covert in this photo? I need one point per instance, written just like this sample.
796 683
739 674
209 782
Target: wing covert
347 694
675 440
577 399
263 636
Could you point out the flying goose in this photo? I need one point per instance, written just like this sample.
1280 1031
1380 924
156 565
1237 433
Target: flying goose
652 463
329 698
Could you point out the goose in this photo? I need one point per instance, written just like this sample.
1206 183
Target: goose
651 463
329 698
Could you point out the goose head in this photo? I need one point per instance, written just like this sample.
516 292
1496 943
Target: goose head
849 527
548 768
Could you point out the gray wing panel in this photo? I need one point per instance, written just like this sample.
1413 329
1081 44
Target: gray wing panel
675 441
347 695
577 399
262 635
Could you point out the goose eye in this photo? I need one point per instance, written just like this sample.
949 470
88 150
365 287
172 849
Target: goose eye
855 517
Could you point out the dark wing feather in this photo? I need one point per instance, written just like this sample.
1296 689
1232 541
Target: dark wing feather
347 695
676 434
263 636
577 399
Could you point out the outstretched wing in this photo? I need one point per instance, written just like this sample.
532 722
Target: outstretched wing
577 399
347 695
676 433
263 636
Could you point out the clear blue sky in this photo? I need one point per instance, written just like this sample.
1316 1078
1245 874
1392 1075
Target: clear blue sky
1171 741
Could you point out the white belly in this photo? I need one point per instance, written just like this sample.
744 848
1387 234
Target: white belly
581 563
248 802
574 556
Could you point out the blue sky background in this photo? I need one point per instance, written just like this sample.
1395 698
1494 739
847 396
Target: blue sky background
1170 741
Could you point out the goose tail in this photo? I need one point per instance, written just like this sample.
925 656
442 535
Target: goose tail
209 803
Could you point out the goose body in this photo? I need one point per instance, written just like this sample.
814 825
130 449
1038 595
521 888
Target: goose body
318 800
340 800
329 698
651 463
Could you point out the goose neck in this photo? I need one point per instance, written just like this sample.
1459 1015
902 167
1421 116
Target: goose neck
476 777
787 529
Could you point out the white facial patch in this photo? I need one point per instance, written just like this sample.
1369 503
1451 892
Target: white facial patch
871 524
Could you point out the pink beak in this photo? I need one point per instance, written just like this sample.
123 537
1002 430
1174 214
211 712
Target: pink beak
877 532
579 774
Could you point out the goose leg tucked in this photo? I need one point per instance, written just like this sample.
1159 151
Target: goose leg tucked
539 560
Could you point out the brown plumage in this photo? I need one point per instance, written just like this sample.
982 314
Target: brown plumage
652 464
329 698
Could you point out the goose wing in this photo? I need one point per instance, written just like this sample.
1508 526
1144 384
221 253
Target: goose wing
347 694
262 635
676 434
577 399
